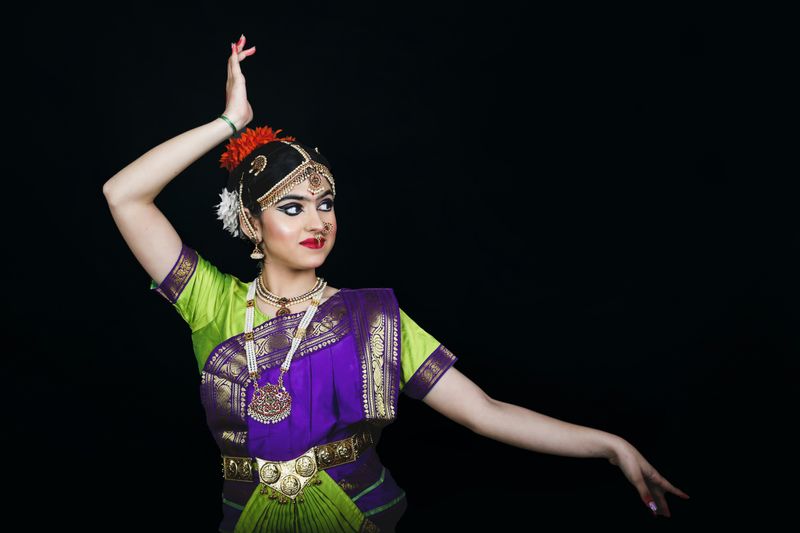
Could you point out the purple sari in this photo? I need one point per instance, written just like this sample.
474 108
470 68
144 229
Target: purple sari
345 376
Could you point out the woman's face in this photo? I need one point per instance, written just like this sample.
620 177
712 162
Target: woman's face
299 216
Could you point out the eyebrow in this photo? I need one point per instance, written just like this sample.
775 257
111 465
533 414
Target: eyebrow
303 198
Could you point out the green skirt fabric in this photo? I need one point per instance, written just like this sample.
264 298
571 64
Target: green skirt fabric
326 509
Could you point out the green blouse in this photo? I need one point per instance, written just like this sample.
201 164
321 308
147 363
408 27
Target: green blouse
212 303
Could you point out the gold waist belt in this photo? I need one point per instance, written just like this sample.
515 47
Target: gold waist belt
285 480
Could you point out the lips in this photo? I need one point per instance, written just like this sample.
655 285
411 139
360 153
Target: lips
312 243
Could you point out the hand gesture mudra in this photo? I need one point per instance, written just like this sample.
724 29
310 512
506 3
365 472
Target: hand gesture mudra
651 486
237 108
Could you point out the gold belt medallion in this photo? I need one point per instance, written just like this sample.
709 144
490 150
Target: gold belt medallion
285 480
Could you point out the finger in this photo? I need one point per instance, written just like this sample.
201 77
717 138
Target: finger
240 42
235 60
661 503
666 485
674 490
644 493
659 485
654 481
249 51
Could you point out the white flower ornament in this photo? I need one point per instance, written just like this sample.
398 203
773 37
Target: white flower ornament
228 211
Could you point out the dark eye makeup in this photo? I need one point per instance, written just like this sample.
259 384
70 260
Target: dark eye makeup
294 209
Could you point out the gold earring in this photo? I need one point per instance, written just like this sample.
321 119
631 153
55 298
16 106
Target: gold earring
256 253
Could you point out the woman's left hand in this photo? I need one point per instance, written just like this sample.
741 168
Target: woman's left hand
648 482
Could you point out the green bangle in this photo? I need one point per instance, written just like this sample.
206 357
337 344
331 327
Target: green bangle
226 119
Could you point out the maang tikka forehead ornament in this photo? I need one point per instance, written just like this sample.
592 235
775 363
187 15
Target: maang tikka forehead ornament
266 167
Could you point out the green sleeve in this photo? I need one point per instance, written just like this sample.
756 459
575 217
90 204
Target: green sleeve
423 358
195 287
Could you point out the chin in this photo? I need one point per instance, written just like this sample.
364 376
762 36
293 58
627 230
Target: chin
313 262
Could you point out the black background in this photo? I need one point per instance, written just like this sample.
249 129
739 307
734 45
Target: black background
584 205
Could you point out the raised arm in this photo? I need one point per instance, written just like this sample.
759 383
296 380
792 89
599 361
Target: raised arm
131 192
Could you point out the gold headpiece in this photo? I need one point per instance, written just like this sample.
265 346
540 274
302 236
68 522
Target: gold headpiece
307 170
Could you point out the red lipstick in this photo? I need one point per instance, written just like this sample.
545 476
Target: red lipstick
312 243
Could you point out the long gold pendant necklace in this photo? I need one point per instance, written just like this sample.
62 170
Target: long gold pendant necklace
272 402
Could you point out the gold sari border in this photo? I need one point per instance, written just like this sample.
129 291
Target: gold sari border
429 372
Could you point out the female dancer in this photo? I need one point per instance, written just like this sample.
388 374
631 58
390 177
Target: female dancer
297 377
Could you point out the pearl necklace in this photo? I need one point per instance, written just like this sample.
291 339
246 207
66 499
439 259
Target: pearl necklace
272 402
281 302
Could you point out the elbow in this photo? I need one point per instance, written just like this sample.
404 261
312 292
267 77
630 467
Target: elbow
108 192
113 195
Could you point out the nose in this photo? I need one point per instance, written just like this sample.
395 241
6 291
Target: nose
315 222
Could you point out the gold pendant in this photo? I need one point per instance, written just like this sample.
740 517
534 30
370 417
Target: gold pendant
271 403
283 310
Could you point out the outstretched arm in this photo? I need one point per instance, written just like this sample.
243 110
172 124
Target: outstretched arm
458 398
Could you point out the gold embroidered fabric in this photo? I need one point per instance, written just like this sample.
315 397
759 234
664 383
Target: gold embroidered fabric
377 327
172 286
429 372
224 378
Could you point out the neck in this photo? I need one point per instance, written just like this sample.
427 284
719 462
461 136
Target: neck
288 282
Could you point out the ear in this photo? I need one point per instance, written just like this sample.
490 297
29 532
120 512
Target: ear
254 222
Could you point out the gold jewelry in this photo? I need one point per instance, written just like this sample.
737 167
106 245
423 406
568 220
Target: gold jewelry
307 170
285 480
256 253
327 229
272 402
258 164
282 302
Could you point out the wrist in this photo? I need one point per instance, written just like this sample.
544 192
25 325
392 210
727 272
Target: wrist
614 447
239 120
233 122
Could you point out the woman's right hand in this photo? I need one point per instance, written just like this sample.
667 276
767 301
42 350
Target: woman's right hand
237 108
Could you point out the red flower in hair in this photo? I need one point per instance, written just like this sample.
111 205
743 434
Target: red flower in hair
238 149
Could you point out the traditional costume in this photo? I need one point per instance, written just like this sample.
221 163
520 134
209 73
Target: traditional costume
297 401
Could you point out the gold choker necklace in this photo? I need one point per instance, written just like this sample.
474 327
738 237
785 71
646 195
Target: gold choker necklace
282 302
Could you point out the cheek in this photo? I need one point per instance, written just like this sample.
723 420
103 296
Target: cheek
280 229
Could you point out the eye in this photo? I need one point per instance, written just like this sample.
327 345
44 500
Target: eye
286 209
295 209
